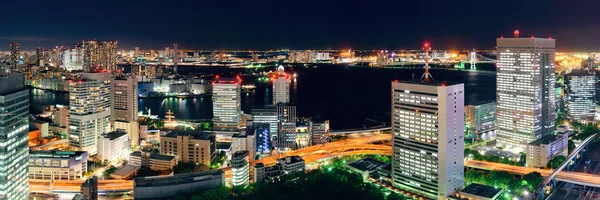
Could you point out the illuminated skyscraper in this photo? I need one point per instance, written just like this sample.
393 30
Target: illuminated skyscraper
525 90
72 59
100 55
14 56
90 101
286 118
124 108
14 125
281 87
428 128
580 93
227 109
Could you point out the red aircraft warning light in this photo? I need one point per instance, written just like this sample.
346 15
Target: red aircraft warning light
516 33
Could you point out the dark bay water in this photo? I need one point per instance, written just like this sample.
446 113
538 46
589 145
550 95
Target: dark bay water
345 95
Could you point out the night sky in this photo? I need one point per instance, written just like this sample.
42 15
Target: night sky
299 24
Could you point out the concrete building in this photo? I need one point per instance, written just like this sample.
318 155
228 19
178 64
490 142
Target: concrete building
227 109
72 59
113 146
124 108
267 115
525 91
89 189
365 167
476 191
156 162
262 137
303 132
542 150
580 93
169 186
245 141
281 87
240 168
285 167
57 165
481 119
60 115
89 110
428 128
286 118
320 132
190 146
100 55
259 173
14 107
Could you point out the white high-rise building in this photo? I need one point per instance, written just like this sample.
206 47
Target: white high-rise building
124 107
286 118
428 126
73 58
281 87
525 91
227 110
89 110
580 93
14 125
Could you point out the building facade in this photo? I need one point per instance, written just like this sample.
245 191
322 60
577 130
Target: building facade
542 150
190 146
227 110
14 107
89 110
281 87
580 93
320 132
267 115
156 162
113 146
286 118
481 118
100 55
428 128
57 165
525 90
240 168
163 187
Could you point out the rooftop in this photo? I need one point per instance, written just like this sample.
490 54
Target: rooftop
431 83
239 154
481 190
114 134
366 164
57 154
546 140
198 135
581 72
154 156
153 181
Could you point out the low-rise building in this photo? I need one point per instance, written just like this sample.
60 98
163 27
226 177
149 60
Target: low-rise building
57 165
155 187
89 189
156 162
542 150
259 173
189 146
126 172
365 167
285 166
320 132
476 191
114 145
481 119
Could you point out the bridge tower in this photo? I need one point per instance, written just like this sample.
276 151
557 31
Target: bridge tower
473 59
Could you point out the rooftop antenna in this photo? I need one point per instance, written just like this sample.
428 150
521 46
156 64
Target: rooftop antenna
426 76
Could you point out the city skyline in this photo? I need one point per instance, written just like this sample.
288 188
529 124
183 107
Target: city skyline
313 24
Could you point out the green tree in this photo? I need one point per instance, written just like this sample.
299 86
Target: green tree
556 161
500 178
533 179
505 160
395 196
571 146
184 167
491 158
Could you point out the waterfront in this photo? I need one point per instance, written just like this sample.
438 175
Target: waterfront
345 95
